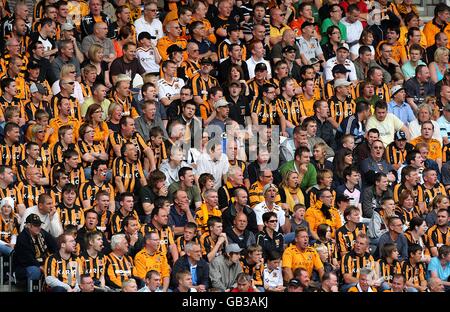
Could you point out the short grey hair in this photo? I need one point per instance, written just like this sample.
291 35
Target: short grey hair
189 246
116 239
425 106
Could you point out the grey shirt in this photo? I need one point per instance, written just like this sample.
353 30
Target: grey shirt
143 126
107 44
223 273
58 63
401 242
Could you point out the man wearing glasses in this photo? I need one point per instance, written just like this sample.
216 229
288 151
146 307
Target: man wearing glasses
149 23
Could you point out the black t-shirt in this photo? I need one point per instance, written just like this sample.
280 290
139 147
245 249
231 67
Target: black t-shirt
100 77
239 109
118 66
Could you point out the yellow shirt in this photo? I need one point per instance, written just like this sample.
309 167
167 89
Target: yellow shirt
434 146
203 214
308 259
315 217
144 262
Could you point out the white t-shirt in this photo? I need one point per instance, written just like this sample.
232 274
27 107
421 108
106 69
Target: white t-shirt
261 208
387 127
154 28
272 279
166 89
147 60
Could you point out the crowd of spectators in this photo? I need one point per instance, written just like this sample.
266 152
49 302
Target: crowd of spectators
228 146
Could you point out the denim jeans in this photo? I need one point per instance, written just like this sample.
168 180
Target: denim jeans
5 250
33 273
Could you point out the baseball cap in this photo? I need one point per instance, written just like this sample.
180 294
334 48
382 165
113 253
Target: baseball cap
288 48
233 27
306 24
340 69
33 219
174 48
341 83
400 135
340 197
206 60
37 87
67 26
269 186
396 89
314 60
145 35
233 248
343 46
221 103
33 65
235 82
295 283
260 67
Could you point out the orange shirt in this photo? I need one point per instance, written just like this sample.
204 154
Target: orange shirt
434 146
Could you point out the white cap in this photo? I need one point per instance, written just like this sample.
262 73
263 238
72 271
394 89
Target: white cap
341 83
396 89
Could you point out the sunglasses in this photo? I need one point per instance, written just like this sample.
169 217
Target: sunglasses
70 82
272 221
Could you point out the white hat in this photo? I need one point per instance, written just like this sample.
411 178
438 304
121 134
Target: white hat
341 83
7 201
396 89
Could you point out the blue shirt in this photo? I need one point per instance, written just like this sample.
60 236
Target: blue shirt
403 112
435 266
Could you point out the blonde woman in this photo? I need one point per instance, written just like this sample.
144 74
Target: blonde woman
440 64
115 112
69 71
290 192
95 57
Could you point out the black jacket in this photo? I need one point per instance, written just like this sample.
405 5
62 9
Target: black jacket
182 264
25 253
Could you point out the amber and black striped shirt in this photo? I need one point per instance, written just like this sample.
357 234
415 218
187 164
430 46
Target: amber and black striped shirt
22 169
436 238
341 109
417 272
418 192
73 216
352 263
96 147
290 109
12 155
117 270
65 270
116 221
268 114
29 194
395 156
430 194
165 235
8 228
253 271
200 87
95 267
389 270
129 173
89 189
345 239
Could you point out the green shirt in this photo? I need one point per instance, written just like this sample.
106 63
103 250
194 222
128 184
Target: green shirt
327 23
310 177
193 193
